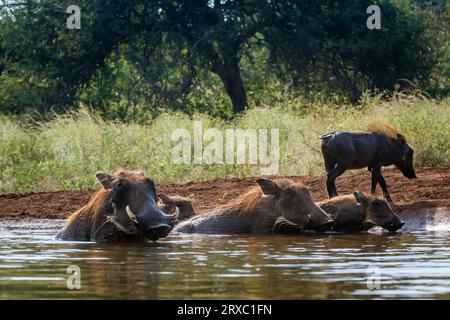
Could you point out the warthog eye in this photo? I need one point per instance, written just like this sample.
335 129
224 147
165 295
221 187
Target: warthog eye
119 184
290 193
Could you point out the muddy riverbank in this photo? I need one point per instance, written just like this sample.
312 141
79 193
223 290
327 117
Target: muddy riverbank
430 190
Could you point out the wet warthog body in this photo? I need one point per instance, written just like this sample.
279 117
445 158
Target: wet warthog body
124 210
169 204
352 213
355 150
360 212
257 210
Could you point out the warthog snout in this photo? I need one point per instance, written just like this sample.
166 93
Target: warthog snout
156 232
407 171
411 175
406 165
325 226
394 226
320 220
153 223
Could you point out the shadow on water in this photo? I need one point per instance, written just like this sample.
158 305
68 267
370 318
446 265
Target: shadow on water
310 266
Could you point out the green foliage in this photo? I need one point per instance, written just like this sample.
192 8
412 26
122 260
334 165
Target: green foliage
326 46
133 59
37 45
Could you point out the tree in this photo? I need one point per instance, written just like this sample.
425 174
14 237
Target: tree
325 45
214 34
167 46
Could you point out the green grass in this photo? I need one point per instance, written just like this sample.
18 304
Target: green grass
65 152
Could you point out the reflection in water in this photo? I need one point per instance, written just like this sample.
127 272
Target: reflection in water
312 266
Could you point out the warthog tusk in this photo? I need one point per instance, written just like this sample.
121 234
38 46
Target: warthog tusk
131 215
176 214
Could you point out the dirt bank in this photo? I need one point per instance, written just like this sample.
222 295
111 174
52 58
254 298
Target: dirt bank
431 189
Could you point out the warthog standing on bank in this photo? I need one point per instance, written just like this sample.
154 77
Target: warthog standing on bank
352 213
124 210
382 146
169 205
257 210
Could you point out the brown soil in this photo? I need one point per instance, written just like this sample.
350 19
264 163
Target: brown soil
431 189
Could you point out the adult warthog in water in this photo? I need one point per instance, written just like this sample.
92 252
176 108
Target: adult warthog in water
124 210
352 213
257 210
170 203
382 146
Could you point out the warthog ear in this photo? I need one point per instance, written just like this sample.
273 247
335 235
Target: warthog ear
269 187
105 179
401 138
361 197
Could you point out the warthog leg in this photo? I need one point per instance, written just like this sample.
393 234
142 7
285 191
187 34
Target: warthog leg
331 177
377 178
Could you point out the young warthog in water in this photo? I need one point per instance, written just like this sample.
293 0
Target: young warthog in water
352 213
383 146
257 210
360 212
169 205
124 210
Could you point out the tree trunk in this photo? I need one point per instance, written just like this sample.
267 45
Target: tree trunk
231 78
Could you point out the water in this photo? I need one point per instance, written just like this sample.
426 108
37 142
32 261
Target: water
411 264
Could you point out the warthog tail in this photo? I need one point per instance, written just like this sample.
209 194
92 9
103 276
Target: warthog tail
327 135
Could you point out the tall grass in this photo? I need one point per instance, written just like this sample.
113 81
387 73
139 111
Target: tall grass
65 152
